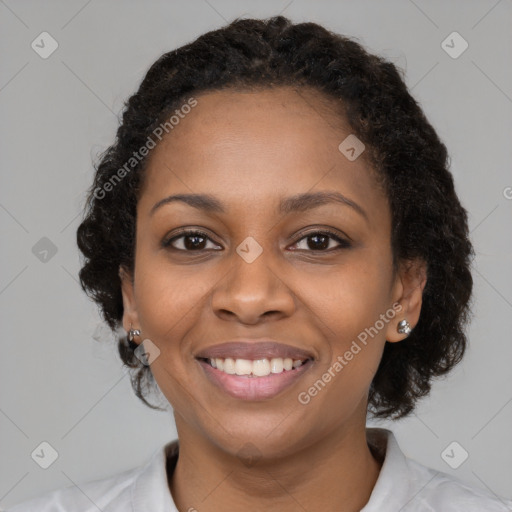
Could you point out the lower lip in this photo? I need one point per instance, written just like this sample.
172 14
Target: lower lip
254 388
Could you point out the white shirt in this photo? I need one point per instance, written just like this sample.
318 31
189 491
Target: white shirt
403 485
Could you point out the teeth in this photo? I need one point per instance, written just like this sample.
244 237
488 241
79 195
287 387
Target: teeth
256 368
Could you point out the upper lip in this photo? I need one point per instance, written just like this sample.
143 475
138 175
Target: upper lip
253 350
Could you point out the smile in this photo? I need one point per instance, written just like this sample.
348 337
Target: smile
254 379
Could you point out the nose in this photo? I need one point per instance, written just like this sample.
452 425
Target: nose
252 292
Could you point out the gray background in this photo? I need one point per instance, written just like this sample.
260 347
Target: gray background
61 380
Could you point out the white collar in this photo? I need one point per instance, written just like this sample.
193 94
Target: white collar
151 485
403 484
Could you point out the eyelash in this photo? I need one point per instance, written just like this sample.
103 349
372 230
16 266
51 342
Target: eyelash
344 244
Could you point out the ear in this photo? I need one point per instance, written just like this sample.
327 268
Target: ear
408 288
130 316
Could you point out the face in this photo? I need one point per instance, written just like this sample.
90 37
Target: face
316 276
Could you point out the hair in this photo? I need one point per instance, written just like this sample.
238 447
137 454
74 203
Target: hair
428 221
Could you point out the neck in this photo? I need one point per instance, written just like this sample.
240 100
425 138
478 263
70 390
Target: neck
337 471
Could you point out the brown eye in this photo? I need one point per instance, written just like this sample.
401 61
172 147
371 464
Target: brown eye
321 240
192 241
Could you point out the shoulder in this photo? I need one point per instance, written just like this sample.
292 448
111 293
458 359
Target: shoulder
91 496
405 484
138 489
437 490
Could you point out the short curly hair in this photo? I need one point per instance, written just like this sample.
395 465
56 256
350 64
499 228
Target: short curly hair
428 221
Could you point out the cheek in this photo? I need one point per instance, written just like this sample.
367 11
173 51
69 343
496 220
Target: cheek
348 311
170 301
351 297
352 308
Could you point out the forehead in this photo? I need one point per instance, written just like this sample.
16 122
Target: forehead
256 146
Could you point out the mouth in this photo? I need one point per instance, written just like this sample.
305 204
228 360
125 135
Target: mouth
257 379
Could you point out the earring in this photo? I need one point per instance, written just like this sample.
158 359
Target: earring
404 327
132 333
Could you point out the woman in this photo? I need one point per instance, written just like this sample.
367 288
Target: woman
277 232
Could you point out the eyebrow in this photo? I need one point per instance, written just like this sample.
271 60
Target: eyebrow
297 203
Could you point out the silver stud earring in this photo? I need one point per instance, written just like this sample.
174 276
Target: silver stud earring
404 327
132 333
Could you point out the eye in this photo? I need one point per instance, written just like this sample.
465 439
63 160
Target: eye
192 241
321 241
